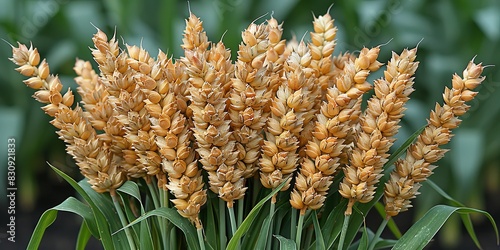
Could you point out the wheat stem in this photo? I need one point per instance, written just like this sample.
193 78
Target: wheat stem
152 190
199 232
165 224
343 232
222 224
270 236
232 219
299 229
154 196
118 208
376 237
241 210
293 222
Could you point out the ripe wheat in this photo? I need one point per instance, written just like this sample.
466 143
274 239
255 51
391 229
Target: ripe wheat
277 108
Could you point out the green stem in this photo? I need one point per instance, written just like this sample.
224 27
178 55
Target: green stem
158 202
232 219
344 231
163 198
300 224
169 227
199 231
152 190
241 206
271 213
233 223
378 233
222 224
122 219
293 229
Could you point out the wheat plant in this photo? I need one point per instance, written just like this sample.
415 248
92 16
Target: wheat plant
169 148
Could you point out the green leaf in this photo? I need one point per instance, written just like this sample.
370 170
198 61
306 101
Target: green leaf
72 205
108 215
470 228
264 232
144 231
282 209
333 225
130 216
286 244
465 217
245 225
320 242
47 218
255 239
75 206
83 237
419 235
363 242
384 244
356 245
101 221
282 222
146 241
173 216
131 188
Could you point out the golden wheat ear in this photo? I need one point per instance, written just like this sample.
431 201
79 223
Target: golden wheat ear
378 125
73 127
417 166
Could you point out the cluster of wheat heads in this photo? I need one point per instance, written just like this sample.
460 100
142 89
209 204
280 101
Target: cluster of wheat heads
282 112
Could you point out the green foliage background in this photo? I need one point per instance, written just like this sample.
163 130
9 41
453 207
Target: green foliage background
453 32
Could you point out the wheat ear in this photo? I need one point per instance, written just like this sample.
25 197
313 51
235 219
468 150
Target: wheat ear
417 166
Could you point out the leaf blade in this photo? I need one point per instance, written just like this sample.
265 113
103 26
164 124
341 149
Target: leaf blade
424 229
245 225
83 237
173 216
47 218
320 242
286 244
102 225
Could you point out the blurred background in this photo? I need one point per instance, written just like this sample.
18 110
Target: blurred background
449 33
